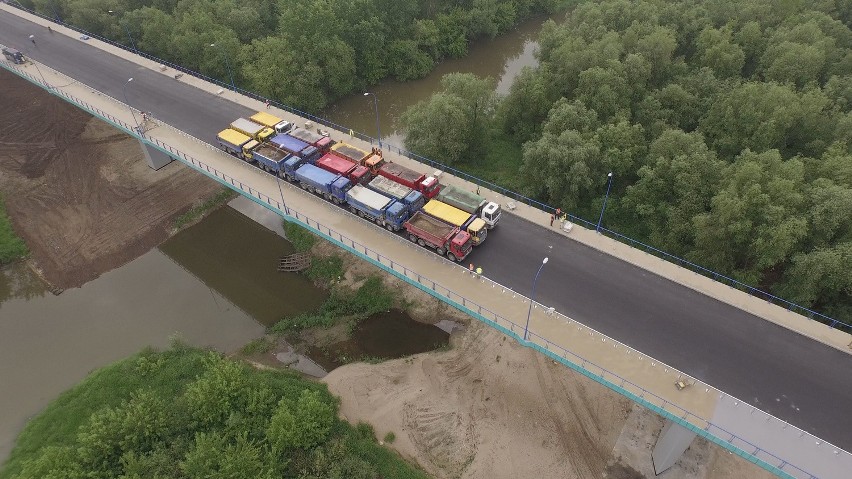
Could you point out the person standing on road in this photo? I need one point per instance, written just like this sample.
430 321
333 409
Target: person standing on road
267 104
32 39
552 217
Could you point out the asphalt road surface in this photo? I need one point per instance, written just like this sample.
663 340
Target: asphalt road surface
792 377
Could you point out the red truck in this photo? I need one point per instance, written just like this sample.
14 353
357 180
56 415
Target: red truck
445 239
356 173
427 185
321 142
372 159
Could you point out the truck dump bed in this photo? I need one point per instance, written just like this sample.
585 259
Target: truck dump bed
462 199
431 226
271 153
306 135
390 187
266 119
402 172
315 175
233 137
369 198
448 213
348 151
288 143
248 126
336 164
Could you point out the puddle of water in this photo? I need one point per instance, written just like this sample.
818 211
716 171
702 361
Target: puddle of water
382 336
237 257
17 281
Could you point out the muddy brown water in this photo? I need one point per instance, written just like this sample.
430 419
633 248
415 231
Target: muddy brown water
388 335
501 58
238 258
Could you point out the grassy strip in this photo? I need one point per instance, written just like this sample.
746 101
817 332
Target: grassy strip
11 246
197 212
372 297
192 413
325 270
301 238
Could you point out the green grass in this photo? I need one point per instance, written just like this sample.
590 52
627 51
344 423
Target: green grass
390 437
325 269
259 345
11 246
190 389
301 238
500 163
372 297
197 212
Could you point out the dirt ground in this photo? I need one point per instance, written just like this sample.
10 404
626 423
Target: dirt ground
489 408
78 191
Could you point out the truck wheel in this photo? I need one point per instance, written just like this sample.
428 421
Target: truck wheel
413 238
354 210
304 186
389 227
452 257
421 242
440 251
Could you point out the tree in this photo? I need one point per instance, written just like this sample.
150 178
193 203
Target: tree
677 183
407 62
716 50
301 425
524 109
436 128
822 278
214 456
756 220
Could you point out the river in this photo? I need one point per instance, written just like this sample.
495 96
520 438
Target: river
214 284
501 58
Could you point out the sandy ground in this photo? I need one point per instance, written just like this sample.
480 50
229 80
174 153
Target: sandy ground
79 191
489 408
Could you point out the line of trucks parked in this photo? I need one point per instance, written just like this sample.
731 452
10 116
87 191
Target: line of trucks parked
447 219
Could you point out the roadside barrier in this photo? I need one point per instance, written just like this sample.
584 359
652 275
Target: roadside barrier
509 194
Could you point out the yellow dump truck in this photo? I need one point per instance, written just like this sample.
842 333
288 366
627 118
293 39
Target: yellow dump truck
465 221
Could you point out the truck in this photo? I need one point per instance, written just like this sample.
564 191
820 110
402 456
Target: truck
465 221
295 146
13 55
323 183
428 185
356 173
237 144
377 207
412 199
372 160
249 128
271 121
271 159
472 203
321 142
445 239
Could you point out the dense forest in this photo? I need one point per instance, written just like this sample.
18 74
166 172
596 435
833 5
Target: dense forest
304 53
186 413
726 125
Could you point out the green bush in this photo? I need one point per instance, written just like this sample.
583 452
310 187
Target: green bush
11 246
191 413
301 238
325 269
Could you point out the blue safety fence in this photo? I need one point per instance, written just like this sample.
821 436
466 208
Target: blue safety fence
791 306
588 368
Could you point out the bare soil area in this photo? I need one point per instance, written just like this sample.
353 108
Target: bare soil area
79 191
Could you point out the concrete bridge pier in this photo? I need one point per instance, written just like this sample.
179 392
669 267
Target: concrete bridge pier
673 441
155 158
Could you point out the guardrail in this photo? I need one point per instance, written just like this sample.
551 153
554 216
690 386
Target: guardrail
588 368
804 311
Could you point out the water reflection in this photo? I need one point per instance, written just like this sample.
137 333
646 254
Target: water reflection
18 281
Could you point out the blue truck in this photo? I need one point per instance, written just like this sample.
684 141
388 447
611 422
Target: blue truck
374 206
296 147
323 183
412 199
271 159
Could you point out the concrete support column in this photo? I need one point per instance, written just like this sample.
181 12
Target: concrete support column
673 440
155 158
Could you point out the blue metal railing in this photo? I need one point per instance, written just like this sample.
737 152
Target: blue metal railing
588 368
791 306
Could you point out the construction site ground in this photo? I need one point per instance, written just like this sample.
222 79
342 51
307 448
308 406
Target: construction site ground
78 190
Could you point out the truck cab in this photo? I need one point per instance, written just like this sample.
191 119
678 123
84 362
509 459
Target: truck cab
396 214
430 187
13 55
461 245
476 227
374 160
491 213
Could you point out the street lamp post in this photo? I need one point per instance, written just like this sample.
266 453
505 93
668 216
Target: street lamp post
29 51
228 64
603 208
124 91
376 107
132 42
532 296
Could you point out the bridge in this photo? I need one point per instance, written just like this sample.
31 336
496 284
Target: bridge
750 376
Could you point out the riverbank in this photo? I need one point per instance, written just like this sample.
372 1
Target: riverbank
78 191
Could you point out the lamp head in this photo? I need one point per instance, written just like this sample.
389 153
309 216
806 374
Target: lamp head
212 44
366 94
129 79
609 175
545 260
